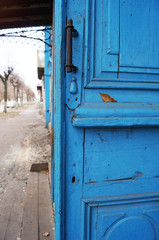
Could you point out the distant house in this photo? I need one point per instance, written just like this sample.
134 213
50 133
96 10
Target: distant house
44 75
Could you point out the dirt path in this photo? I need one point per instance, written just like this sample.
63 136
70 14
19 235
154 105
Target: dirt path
23 140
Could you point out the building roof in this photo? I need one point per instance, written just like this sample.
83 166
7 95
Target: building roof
25 13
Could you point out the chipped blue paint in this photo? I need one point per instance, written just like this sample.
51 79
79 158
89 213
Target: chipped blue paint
116 115
59 123
73 86
47 74
74 100
52 106
106 154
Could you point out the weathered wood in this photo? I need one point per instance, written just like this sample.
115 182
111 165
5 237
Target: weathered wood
11 211
30 221
38 218
25 13
116 115
5 210
27 217
45 211
13 230
13 3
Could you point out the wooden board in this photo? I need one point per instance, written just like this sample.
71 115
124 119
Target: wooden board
38 218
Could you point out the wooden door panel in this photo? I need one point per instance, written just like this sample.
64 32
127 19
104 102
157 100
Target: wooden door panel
133 217
111 172
139 25
120 155
121 37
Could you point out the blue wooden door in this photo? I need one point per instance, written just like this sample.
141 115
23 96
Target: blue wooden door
111 115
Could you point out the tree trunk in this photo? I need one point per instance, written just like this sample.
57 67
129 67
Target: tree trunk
17 97
22 98
5 95
14 96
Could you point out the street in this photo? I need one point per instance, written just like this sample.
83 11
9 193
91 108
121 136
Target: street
23 140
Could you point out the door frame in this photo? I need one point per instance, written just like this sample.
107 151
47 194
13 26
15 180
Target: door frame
59 115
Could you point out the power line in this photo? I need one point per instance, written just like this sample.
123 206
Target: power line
30 34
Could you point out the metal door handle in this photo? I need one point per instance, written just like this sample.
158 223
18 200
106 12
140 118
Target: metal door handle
70 32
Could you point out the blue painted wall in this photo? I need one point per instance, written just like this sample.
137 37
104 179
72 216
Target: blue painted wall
52 106
47 72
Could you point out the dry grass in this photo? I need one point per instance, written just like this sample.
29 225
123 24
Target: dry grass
9 114
13 112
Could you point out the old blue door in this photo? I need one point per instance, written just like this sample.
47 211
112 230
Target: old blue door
107 120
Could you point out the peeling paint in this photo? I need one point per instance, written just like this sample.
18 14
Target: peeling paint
102 140
137 175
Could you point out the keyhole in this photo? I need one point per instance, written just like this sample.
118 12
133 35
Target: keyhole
73 179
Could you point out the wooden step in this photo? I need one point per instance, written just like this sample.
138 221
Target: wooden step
38 215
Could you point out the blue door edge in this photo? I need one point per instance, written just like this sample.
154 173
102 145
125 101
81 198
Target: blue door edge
47 76
59 120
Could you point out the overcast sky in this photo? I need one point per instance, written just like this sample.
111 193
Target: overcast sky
21 54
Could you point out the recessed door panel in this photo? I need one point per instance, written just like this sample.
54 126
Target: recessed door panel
139 25
126 219
122 37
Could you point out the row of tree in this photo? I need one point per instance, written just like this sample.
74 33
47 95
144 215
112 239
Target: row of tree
18 89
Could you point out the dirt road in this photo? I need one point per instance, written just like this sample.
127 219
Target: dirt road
23 140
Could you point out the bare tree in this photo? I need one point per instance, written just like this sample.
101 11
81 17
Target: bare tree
13 81
21 93
18 85
1 91
4 79
20 89
29 93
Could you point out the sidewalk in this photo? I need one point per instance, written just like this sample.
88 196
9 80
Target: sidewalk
25 201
